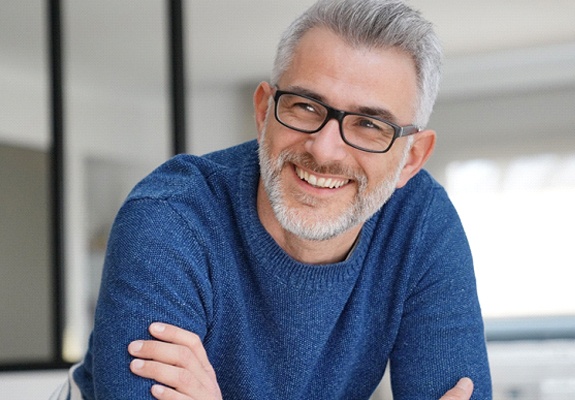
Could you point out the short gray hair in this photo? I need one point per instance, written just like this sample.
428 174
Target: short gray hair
374 24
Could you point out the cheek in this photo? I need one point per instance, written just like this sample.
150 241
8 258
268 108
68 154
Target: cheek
380 170
279 138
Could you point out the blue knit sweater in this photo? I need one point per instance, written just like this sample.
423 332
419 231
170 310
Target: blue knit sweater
187 248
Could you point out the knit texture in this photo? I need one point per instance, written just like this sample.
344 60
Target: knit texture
187 248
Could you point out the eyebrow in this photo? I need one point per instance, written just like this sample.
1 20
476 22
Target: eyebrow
377 112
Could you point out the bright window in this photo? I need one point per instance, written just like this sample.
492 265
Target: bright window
519 215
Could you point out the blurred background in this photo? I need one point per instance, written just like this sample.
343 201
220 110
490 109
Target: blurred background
506 154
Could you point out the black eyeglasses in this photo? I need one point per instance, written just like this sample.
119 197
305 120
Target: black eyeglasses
363 132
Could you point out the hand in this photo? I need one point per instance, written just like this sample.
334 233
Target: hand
178 361
461 391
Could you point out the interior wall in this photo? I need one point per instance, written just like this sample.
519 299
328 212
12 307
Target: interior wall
503 123
220 116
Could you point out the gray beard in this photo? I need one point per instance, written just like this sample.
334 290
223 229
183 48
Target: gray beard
311 226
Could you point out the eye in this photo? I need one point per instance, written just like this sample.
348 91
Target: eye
369 124
303 106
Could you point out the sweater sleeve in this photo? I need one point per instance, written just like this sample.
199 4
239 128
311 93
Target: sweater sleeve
153 272
441 336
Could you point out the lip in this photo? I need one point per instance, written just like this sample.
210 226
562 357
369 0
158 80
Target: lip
319 182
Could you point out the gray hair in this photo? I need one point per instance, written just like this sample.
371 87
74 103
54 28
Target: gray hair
374 24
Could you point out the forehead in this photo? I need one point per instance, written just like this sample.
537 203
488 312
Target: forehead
349 77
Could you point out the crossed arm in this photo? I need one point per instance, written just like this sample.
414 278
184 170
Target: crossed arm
178 361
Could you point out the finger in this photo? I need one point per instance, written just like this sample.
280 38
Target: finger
165 393
171 355
173 334
461 391
181 380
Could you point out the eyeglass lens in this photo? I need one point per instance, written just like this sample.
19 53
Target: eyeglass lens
306 115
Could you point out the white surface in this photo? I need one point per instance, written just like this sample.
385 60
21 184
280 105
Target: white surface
30 385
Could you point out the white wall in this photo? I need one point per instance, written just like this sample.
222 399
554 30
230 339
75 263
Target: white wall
521 100
220 116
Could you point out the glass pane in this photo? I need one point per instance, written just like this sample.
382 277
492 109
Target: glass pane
117 132
26 296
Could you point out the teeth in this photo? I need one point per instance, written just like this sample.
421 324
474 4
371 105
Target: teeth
320 182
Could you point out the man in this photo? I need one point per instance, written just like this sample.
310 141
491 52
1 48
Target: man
297 266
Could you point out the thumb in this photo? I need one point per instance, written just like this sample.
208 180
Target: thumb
461 391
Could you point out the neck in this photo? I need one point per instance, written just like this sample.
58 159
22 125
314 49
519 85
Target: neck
319 252
306 251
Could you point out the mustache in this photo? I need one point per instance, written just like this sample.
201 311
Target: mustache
307 161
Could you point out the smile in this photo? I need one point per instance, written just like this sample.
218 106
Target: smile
325 183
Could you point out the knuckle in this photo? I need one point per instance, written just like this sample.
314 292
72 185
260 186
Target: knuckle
148 346
185 378
195 341
184 356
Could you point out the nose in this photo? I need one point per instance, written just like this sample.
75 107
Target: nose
327 145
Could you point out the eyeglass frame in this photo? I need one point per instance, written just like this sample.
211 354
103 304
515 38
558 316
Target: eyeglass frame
339 115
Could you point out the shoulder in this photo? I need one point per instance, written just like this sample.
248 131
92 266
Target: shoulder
189 198
235 155
431 198
423 185
421 220
420 199
187 173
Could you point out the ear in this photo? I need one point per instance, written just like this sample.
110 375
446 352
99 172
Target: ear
420 151
261 102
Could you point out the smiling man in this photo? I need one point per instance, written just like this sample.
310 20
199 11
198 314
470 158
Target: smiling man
322 186
299 265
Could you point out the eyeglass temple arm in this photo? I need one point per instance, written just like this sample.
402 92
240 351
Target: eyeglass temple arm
408 130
